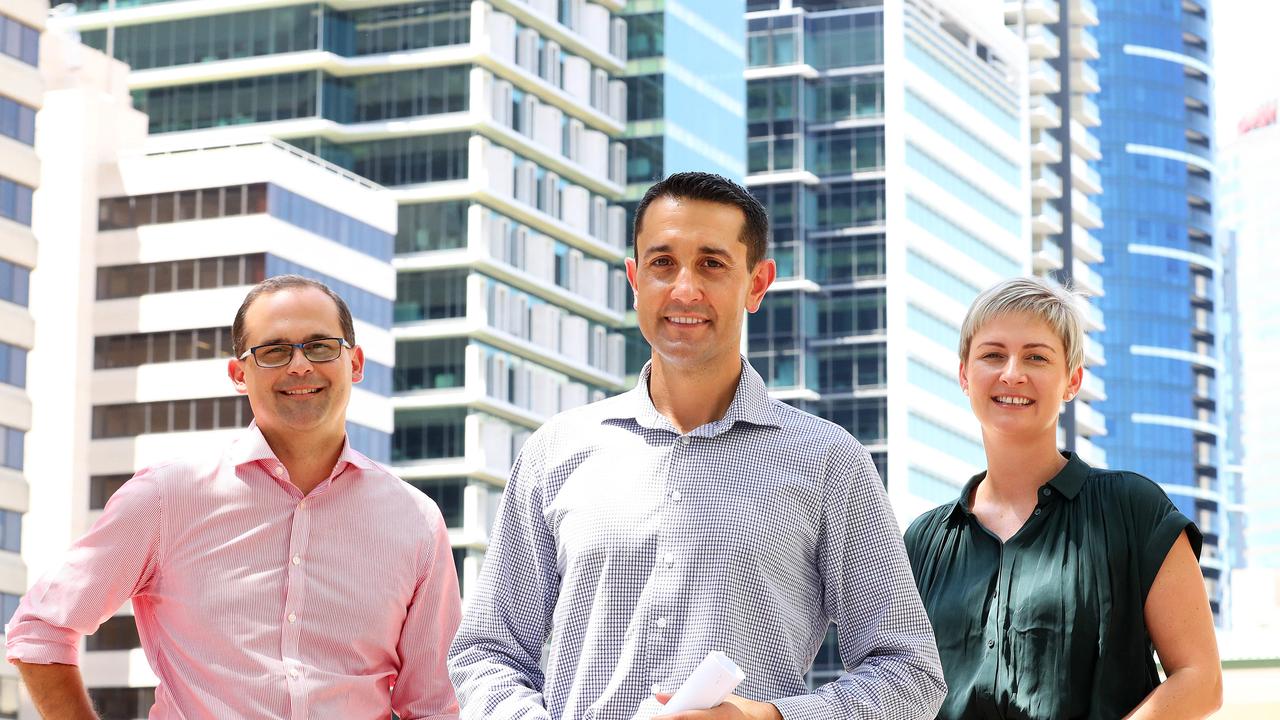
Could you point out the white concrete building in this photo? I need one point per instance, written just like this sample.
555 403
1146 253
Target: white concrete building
152 254
497 126
21 88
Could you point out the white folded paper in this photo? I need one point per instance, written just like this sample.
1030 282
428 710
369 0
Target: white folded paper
709 684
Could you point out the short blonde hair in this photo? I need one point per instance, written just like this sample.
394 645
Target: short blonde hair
1055 305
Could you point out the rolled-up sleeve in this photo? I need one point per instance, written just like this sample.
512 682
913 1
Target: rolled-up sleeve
422 688
886 642
116 560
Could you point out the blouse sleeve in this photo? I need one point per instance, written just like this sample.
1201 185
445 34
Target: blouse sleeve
1156 528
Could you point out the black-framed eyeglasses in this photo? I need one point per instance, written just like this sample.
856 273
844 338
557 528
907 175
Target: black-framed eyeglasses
274 355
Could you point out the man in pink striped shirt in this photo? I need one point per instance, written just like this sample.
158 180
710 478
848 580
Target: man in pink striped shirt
284 576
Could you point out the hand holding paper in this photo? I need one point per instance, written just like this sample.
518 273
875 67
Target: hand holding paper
709 684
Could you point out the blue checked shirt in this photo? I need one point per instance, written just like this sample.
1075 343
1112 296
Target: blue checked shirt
626 552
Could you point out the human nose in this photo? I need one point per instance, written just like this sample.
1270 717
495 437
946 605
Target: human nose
298 363
1012 373
686 288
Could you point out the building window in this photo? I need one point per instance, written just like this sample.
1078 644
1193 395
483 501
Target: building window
845 40
431 295
11 447
17 121
102 487
432 226
264 98
846 258
845 151
447 494
843 313
429 434
773 41
19 41
644 36
121 351
848 97
131 419
119 632
865 419
430 364
123 702
374 444
397 28
644 97
328 223
9 697
845 368
364 305
13 365
397 161
15 282
405 94
842 205
128 212
10 531
8 606
15 201
644 159
211 37
126 281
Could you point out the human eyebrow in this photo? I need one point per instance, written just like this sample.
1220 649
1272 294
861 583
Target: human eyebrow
287 341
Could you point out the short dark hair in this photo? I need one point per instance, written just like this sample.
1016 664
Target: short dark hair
280 283
717 189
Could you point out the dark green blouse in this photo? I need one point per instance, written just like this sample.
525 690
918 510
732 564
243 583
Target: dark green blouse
1048 624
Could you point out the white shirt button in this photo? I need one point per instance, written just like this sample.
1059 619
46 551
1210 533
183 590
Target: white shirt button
302 505
675 495
279 470
293 617
293 672
297 560
683 440
669 558
660 622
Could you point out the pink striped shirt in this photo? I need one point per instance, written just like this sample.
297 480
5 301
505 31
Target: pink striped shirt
253 601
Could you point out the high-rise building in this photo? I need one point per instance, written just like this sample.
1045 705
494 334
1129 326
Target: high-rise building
1249 180
889 143
1162 270
133 303
498 127
21 90
1061 46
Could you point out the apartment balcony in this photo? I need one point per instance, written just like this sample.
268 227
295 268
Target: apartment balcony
1084 44
1200 220
1047 257
1083 12
1092 388
1043 78
1084 143
1045 148
1199 186
1196 47
1086 279
1084 79
1046 219
1045 113
1044 12
1084 211
1085 246
1084 178
1091 453
1042 43
1092 316
1202 289
1199 122
1095 353
1200 149
1045 183
1196 24
1089 422
1085 111
1196 89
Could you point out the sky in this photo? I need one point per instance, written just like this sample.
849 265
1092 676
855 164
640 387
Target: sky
1246 60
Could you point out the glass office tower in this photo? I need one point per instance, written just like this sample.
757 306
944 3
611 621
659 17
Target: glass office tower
889 142
498 127
1064 150
1162 271
21 88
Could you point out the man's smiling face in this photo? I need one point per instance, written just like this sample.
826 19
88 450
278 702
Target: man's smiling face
692 282
301 396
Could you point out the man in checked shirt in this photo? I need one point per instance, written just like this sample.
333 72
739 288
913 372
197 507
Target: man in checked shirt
693 514
283 576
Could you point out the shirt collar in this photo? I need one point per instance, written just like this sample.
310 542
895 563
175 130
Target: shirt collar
252 447
1068 482
751 404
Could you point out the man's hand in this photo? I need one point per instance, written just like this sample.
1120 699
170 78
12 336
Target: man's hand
733 708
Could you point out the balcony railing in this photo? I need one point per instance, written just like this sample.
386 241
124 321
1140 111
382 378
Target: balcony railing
1045 113
1044 78
1094 351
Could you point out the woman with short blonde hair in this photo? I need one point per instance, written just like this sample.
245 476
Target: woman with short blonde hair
1049 582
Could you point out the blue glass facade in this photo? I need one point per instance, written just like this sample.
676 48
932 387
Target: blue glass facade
1157 167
